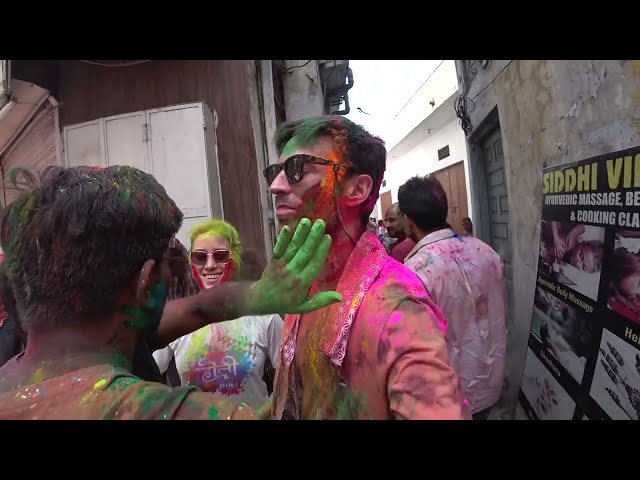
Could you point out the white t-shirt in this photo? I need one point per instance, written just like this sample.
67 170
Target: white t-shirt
227 357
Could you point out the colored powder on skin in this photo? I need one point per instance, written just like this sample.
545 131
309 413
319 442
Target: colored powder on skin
120 360
147 316
213 414
99 384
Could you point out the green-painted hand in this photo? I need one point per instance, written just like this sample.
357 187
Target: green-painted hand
297 262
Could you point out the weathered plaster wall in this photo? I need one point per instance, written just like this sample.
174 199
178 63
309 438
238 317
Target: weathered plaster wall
303 95
556 112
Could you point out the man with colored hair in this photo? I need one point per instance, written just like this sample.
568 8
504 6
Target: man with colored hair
464 277
88 263
381 353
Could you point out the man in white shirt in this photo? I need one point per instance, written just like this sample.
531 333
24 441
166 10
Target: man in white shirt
464 277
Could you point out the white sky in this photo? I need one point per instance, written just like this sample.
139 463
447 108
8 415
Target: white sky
381 88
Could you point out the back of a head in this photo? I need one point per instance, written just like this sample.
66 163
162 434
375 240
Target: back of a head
424 201
361 151
73 242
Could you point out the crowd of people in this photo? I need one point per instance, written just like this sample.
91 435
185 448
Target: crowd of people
108 316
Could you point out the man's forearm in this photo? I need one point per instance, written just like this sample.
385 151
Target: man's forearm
186 315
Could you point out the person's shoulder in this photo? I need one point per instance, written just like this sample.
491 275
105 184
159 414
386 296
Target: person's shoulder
136 399
394 283
480 246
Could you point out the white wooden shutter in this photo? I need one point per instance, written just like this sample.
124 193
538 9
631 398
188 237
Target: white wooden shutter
83 145
124 140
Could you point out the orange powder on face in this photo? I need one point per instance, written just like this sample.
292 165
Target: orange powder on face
321 202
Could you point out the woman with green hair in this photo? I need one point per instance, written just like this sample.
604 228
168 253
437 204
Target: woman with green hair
229 357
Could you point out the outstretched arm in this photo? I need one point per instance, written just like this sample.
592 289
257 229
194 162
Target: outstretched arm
298 259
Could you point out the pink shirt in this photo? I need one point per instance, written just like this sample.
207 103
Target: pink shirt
402 249
379 354
464 277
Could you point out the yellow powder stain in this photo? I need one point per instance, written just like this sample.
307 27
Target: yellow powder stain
38 376
636 67
314 355
99 384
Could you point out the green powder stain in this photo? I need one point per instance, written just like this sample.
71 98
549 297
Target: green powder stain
120 360
122 383
292 145
213 414
126 195
348 403
199 345
147 316
150 399
99 384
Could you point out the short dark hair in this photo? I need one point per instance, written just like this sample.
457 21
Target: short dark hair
73 242
362 152
424 201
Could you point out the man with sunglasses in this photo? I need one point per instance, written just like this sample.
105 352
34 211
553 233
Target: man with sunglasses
88 262
381 353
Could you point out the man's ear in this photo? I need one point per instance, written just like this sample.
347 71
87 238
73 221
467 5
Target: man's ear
357 190
143 287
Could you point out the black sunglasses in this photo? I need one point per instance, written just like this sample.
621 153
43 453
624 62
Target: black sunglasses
294 167
200 257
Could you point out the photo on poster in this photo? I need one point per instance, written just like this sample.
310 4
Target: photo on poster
616 380
572 255
623 272
563 331
547 398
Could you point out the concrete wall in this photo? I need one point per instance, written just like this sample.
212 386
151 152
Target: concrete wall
556 112
302 89
423 158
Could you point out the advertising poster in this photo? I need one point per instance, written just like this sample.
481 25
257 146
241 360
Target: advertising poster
583 356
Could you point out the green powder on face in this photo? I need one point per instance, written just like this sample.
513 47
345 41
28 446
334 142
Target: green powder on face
213 414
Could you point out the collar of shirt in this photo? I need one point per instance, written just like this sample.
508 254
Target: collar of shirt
432 238
362 268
